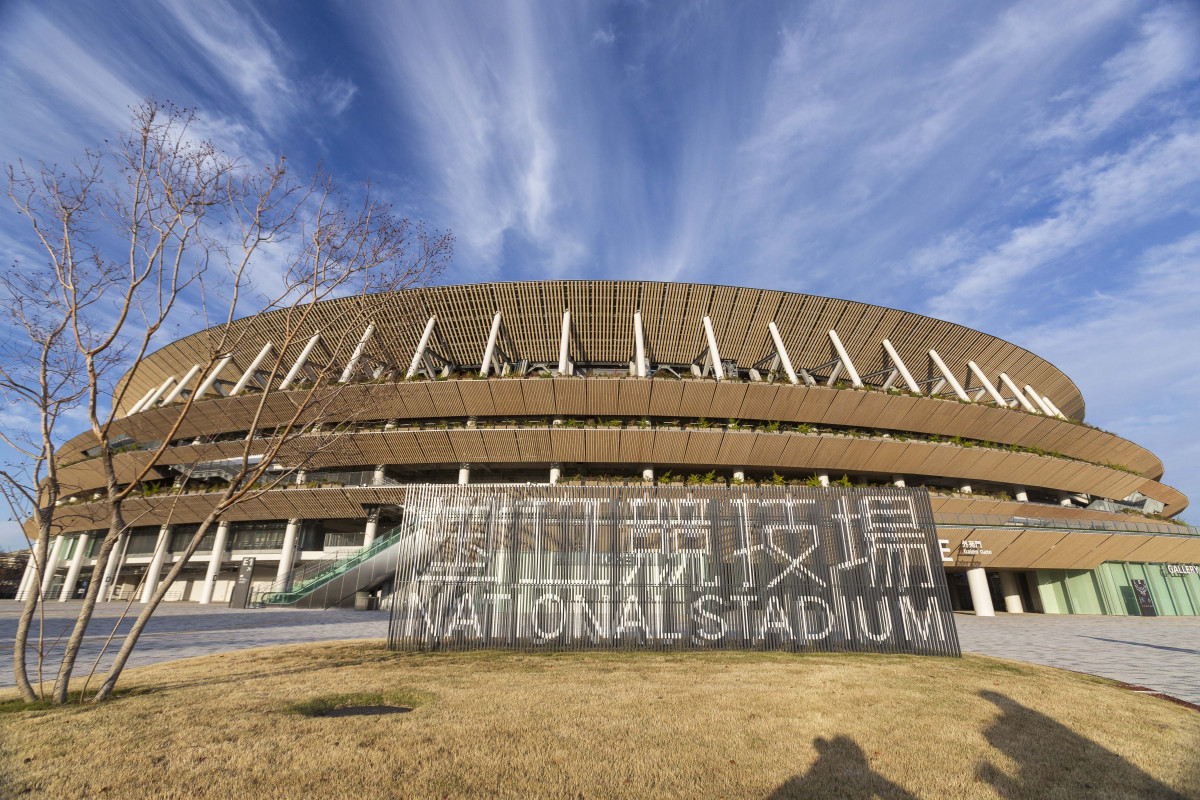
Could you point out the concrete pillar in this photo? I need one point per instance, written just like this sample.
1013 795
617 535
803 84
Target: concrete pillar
965 488
1011 589
1064 499
301 476
287 557
154 571
378 476
1020 494
1035 596
464 474
739 474
76 565
823 477
112 570
372 528
214 563
51 565
981 597
28 579
898 481
555 473
648 474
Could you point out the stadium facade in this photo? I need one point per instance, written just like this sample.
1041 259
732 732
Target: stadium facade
638 383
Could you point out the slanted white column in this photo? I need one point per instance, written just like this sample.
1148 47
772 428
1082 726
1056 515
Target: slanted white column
1012 593
51 565
823 477
214 562
981 596
348 372
112 570
950 379
68 587
639 346
564 345
785 360
179 387
296 367
378 475
287 556
555 473
845 357
493 337
898 481
899 365
140 404
250 370
713 354
421 345
464 474
372 528
213 376
158 393
987 384
1021 398
1037 401
154 571
27 579
1064 499
1020 494
1053 408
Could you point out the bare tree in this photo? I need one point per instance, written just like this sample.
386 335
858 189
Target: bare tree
192 227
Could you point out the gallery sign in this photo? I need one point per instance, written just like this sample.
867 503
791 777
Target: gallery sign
554 567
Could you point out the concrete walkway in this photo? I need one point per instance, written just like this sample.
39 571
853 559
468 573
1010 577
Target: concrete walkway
1162 653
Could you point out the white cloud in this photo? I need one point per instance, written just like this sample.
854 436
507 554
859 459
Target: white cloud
604 36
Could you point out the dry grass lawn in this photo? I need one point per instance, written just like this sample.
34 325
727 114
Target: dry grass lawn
604 725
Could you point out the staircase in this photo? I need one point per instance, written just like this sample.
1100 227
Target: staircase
328 583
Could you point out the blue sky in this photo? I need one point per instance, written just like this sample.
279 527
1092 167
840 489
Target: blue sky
1030 169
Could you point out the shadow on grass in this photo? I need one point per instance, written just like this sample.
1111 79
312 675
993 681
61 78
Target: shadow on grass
1051 761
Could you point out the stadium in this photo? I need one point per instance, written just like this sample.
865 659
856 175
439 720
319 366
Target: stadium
641 384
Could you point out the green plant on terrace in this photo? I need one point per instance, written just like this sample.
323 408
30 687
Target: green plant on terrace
812 480
776 479
843 481
703 423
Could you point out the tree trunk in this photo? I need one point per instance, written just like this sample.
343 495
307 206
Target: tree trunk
67 666
131 638
21 640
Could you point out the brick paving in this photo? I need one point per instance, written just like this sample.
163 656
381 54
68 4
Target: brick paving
1162 653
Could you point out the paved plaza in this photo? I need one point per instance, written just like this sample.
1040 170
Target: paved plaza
1160 653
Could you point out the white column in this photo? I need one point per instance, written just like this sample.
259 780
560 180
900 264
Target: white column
987 385
493 336
154 571
1021 398
713 354
51 565
214 563
158 393
179 387
639 346
564 345
68 588
555 473
1053 408
112 570
898 481
785 360
899 365
1037 400
949 376
464 474
1064 499
965 488
378 475
140 404
739 474
845 357
823 477
348 372
1012 593
981 597
648 474
421 345
1020 494
250 370
300 361
213 376
27 579
287 556
372 528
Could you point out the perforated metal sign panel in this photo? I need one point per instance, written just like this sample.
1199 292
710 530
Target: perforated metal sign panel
671 568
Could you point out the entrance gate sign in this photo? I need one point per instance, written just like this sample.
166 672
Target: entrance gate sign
671 568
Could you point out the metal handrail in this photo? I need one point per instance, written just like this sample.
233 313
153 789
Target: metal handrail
1113 526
